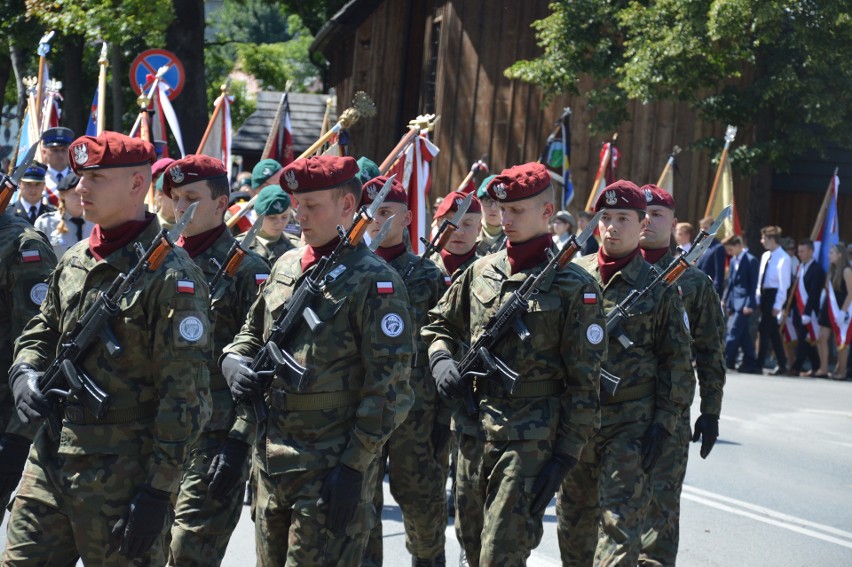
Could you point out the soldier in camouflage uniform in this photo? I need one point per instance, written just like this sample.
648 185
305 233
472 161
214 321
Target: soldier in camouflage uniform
461 250
707 327
204 523
106 484
316 456
26 261
514 453
271 242
491 236
418 448
611 484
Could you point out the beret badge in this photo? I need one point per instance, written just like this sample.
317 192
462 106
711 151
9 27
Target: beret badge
81 154
500 191
290 180
372 191
648 195
611 198
176 174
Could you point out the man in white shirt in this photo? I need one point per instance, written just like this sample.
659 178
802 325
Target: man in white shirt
54 144
771 294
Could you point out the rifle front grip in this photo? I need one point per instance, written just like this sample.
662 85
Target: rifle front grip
158 256
234 264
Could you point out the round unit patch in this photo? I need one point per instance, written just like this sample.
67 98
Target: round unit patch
392 325
191 328
594 333
38 293
686 320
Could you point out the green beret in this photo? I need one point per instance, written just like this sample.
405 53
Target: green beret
264 169
482 192
159 184
368 168
272 200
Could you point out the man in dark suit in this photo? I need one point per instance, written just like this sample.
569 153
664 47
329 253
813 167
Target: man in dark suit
712 262
807 288
31 203
739 303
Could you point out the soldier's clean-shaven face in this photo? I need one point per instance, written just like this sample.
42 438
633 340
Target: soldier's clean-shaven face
273 225
320 212
620 229
402 218
209 213
525 219
464 237
658 230
112 196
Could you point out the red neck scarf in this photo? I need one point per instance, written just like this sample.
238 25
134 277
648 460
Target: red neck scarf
528 254
391 253
654 255
312 255
453 261
195 245
105 241
609 266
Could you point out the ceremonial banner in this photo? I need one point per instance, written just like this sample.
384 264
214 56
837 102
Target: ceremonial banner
801 296
92 126
413 171
279 144
829 235
722 192
217 139
556 156
606 172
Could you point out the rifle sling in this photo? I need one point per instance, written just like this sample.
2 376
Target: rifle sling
77 414
285 401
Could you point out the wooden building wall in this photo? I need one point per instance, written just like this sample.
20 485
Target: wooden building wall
485 115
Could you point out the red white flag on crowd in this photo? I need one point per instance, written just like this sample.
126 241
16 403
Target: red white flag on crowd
606 172
279 144
829 236
165 113
801 296
414 173
216 142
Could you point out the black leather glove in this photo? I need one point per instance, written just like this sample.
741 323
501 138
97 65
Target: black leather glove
227 467
706 429
14 450
140 527
31 404
652 445
549 480
242 380
448 381
341 493
440 436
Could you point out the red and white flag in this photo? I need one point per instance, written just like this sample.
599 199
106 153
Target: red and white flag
281 148
801 295
217 142
413 171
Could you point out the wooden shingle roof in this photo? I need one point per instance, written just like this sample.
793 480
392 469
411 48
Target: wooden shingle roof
306 113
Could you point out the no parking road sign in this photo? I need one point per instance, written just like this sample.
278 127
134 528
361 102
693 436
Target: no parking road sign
145 67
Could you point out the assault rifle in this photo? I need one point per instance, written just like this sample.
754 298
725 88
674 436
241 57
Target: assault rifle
94 324
667 277
9 183
479 362
237 253
442 236
299 307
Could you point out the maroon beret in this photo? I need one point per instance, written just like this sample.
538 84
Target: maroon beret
317 173
160 166
372 187
657 196
452 201
519 182
621 194
190 169
109 149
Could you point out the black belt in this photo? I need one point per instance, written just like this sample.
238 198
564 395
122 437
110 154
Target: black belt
78 414
630 393
286 401
538 389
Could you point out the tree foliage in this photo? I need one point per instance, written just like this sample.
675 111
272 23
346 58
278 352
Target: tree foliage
783 67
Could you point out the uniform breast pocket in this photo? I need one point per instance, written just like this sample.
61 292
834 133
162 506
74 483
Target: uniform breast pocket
485 292
544 321
276 293
640 321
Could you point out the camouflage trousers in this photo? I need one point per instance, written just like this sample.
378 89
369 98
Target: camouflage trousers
418 484
600 507
67 506
662 520
494 484
290 527
203 524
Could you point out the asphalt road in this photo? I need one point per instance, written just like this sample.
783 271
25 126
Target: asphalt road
775 491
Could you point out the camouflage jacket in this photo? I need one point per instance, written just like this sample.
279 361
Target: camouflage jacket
270 251
26 261
161 375
660 355
425 287
228 309
362 355
565 350
487 244
707 327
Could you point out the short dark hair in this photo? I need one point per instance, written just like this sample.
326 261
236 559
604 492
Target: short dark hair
353 186
807 242
773 232
219 187
586 215
733 240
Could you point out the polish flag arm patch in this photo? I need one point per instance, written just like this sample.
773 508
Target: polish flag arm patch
590 298
259 279
30 256
448 280
186 286
384 287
